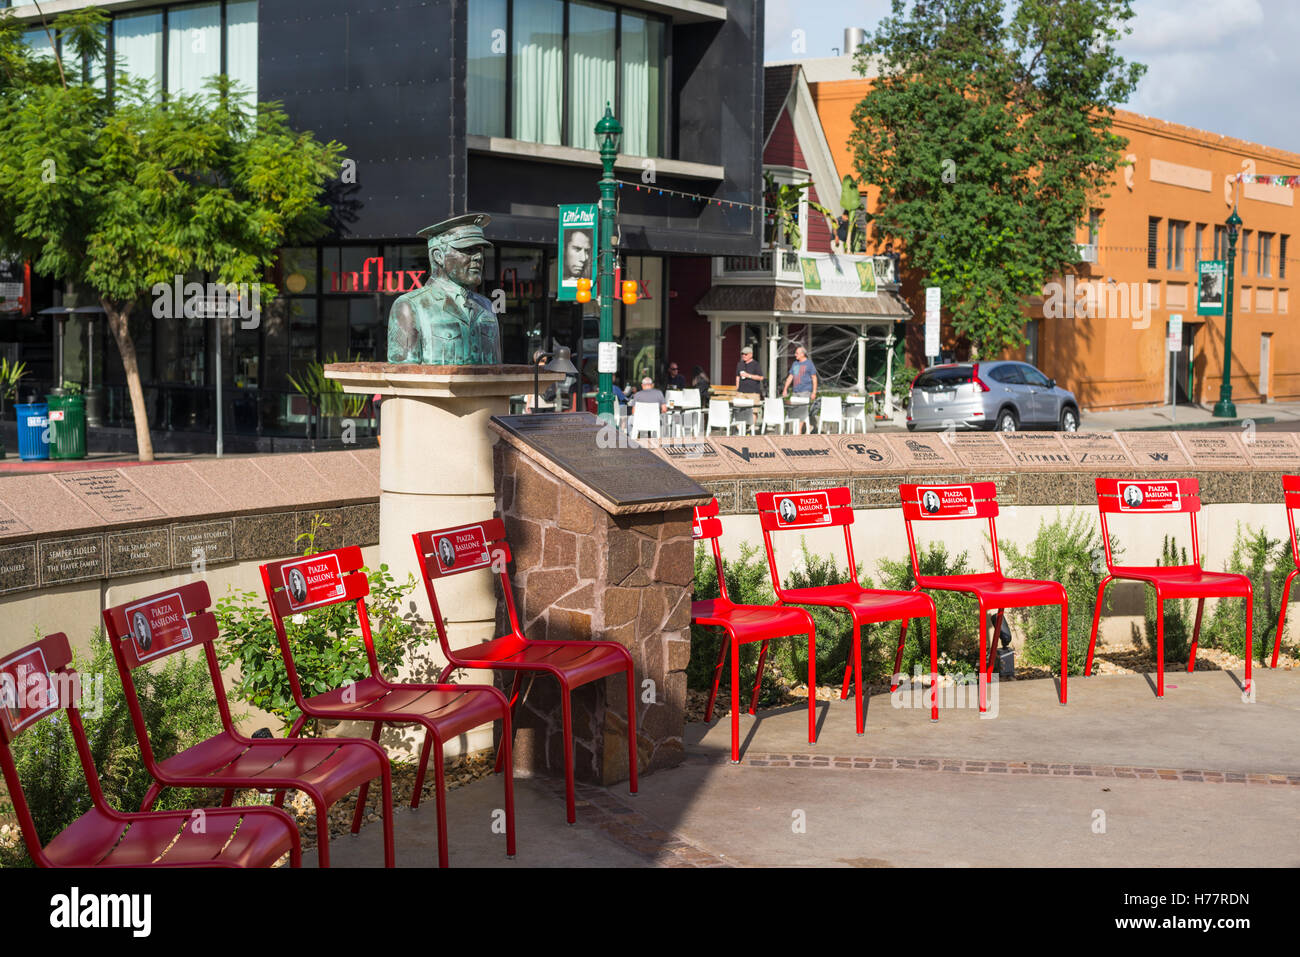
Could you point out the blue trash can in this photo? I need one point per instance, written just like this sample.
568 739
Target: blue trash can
33 431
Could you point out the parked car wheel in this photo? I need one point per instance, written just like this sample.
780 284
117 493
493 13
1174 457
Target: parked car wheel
1006 421
1069 420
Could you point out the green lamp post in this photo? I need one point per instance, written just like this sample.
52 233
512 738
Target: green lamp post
1224 408
608 132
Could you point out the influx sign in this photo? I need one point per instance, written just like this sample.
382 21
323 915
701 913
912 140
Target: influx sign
373 277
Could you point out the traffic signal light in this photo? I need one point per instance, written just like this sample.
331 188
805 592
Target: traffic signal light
584 290
629 292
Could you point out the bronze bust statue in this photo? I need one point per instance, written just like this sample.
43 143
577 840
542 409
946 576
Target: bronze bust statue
445 322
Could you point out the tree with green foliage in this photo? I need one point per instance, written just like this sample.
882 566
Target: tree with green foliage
987 133
121 195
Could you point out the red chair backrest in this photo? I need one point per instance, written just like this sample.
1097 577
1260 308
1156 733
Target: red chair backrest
1172 496
707 527
930 503
464 548
296 585
154 627
795 510
36 683
1291 500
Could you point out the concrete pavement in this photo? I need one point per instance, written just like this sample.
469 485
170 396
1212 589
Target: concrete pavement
1115 778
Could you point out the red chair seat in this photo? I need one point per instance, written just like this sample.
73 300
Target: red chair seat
453 709
997 590
228 763
578 662
1188 581
867 604
749 622
259 839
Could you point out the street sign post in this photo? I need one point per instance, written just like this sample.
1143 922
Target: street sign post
1175 345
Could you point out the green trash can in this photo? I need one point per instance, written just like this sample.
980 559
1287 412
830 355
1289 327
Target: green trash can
67 426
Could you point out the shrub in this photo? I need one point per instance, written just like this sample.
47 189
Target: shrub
834 626
180 710
1068 551
1178 624
1267 561
958 615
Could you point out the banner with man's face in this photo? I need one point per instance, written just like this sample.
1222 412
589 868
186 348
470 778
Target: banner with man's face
579 245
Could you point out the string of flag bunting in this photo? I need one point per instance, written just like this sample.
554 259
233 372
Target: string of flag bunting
652 189
1269 179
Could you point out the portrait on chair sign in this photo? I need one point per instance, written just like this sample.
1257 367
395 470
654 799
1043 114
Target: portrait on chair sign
140 628
297 586
1132 496
788 511
930 502
446 553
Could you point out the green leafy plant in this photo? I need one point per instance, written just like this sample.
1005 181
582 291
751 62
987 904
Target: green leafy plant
325 395
782 201
1178 612
1267 561
958 614
328 649
180 711
1066 550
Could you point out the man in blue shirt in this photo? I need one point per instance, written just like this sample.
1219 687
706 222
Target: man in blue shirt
803 376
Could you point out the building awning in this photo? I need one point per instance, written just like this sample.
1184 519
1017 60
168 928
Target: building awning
778 300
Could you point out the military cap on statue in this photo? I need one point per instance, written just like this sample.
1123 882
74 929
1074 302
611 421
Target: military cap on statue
461 232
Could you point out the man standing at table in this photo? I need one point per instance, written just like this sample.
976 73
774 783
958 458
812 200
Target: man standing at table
803 376
749 376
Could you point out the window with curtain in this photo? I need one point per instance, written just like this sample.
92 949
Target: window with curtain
538 30
138 46
486 80
193 47
591 70
241 46
643 58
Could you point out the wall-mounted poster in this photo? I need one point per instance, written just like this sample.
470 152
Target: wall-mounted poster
579 245
1211 280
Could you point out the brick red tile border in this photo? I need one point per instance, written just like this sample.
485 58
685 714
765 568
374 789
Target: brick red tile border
599 808
963 766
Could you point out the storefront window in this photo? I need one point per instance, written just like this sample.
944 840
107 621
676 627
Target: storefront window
642 323
193 47
486 80
138 46
643 58
241 46
538 70
520 275
591 70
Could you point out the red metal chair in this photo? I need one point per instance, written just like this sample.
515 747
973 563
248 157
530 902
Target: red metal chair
451 551
1291 501
36 683
325 770
744 624
443 710
929 503
1166 496
826 508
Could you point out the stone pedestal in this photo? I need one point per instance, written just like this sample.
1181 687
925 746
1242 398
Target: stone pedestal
435 470
588 570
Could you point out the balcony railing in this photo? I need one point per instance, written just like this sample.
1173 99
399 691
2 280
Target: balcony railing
782 265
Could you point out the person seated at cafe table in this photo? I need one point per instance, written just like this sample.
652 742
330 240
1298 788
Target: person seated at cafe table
675 379
648 393
803 376
700 381
749 375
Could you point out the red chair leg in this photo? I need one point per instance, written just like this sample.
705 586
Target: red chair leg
632 756
566 713
386 782
1096 621
509 783
1160 646
1247 687
1281 615
322 830
360 812
1065 643
758 678
424 764
514 704
717 673
1196 634
934 666
228 797
848 677
812 686
983 675
155 789
440 797
857 675
898 655
997 639
735 699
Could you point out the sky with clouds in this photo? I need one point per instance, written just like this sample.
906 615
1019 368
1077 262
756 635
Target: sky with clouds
1227 66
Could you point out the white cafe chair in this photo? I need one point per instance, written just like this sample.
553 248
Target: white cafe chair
855 412
832 412
646 418
720 416
692 414
773 413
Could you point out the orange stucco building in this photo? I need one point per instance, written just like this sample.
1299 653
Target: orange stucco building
1165 209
